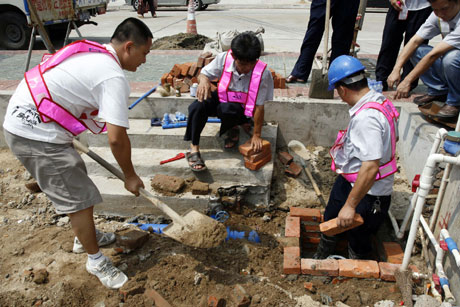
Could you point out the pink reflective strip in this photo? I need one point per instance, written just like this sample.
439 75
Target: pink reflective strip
250 98
40 92
61 116
385 170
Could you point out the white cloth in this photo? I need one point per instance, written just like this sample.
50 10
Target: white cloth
415 5
83 83
368 138
240 83
449 30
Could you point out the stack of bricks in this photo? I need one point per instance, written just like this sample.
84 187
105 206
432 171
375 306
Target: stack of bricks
184 75
252 160
302 225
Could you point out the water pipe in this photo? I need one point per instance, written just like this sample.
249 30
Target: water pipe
156 228
451 245
235 234
434 292
142 97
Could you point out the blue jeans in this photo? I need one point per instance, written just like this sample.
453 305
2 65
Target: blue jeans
442 77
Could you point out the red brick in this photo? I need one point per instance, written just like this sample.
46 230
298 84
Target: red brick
185 68
258 156
215 302
285 157
393 252
292 228
276 82
246 150
359 268
194 80
311 240
254 166
330 228
185 88
164 78
291 260
293 169
306 214
170 80
311 226
272 71
326 267
339 280
176 70
132 239
200 62
309 286
282 83
156 297
387 270
193 70
312 234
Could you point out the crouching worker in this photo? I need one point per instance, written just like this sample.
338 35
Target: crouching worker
55 102
245 83
363 156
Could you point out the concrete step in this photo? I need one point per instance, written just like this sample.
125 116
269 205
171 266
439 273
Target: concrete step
143 136
222 166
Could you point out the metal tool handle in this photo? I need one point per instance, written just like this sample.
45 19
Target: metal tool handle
163 207
326 35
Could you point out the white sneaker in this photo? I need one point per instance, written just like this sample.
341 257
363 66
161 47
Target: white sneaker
109 275
103 239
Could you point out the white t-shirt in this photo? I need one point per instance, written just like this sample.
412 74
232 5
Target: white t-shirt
415 5
240 83
368 138
450 30
82 84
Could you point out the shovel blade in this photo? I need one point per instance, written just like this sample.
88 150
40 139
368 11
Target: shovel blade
197 230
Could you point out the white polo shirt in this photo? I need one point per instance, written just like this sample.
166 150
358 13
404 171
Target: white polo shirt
240 83
415 5
368 138
450 30
82 84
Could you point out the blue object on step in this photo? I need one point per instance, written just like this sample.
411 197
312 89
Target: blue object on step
142 97
156 228
452 143
213 120
174 125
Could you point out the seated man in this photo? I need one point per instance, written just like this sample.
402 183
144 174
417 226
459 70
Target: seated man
363 156
245 84
438 66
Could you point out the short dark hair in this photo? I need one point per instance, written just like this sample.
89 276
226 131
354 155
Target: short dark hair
431 1
246 47
132 29
356 86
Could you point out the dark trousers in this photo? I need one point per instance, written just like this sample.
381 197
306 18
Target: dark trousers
343 14
392 38
230 114
142 9
359 238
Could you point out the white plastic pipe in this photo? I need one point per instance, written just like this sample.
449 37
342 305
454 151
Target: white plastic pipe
451 245
426 181
393 222
439 199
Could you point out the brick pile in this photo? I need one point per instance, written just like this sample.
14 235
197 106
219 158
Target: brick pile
303 231
252 160
185 74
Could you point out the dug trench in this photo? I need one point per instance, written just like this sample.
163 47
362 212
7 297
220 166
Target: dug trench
37 266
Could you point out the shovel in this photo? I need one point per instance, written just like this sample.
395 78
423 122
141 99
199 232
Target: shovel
319 80
192 228
299 149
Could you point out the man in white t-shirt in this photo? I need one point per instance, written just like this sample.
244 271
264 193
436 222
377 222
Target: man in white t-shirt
87 81
439 66
363 156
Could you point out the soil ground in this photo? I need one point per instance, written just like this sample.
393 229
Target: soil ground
33 237
181 41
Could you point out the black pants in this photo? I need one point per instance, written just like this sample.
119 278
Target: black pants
343 14
393 37
230 114
151 7
359 238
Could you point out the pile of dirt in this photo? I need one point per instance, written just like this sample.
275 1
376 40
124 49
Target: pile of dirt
181 41
33 237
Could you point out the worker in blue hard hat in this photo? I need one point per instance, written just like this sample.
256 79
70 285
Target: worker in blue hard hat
364 157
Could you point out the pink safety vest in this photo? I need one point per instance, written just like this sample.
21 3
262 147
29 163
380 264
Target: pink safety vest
386 169
49 109
248 99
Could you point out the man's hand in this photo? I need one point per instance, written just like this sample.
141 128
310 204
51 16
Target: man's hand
396 6
203 91
393 79
256 143
402 91
133 184
346 216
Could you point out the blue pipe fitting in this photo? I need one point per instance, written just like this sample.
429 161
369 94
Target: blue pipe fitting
444 281
156 228
235 234
451 245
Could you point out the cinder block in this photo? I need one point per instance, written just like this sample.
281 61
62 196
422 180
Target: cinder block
306 214
291 263
285 157
393 252
246 150
326 267
359 268
330 228
292 228
254 166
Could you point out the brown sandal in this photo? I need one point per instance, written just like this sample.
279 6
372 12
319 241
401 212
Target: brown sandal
196 160
232 139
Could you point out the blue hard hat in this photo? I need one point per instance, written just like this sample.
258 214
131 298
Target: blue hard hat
342 67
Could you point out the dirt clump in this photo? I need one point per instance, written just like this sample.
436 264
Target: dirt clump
181 41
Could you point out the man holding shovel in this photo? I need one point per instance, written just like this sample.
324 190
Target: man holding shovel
58 100
363 156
